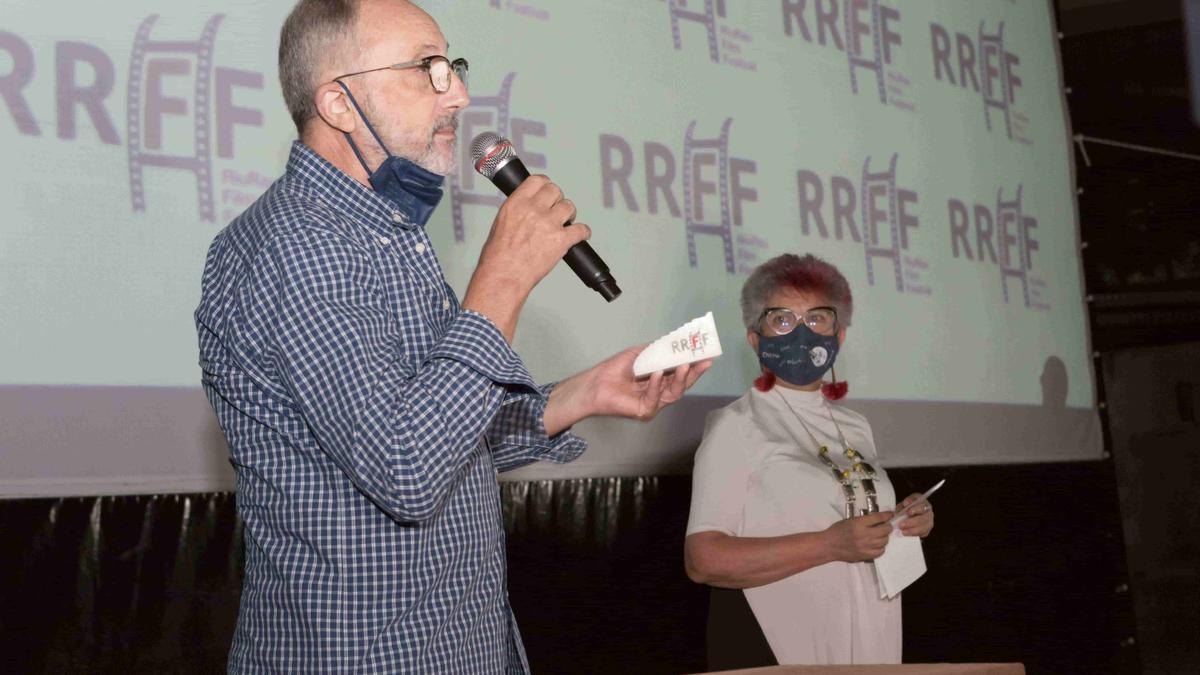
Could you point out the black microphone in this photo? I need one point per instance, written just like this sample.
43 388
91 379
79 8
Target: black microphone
497 161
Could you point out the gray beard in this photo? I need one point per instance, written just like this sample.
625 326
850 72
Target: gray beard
429 158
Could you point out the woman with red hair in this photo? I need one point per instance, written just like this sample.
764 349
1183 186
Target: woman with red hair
789 502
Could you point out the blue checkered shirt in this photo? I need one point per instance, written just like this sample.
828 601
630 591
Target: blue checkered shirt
368 417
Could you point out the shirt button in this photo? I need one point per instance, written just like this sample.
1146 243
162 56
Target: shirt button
420 248
396 217
385 241
445 303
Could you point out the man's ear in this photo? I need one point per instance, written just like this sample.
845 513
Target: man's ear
752 338
841 335
334 107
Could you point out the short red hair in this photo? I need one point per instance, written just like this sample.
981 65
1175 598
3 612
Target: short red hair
806 274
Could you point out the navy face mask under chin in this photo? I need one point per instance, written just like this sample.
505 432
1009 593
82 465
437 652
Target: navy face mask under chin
800 357
415 189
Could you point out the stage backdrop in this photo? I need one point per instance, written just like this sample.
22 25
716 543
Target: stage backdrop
921 146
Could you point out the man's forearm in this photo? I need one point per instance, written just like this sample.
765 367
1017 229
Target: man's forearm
498 297
570 401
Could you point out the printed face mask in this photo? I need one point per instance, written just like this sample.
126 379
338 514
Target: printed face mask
800 357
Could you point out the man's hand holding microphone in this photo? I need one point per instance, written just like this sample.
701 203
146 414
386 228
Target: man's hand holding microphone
526 240
533 230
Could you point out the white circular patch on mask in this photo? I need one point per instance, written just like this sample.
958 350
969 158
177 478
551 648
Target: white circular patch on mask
818 355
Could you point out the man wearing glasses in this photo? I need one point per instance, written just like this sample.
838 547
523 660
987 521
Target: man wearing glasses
368 411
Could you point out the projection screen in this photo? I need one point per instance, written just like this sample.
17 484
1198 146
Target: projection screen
922 146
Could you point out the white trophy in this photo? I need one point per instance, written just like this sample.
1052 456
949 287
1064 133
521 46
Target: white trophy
694 341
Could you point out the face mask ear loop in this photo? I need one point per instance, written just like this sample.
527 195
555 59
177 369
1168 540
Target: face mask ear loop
370 128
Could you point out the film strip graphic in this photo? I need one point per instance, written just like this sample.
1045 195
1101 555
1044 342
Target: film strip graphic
712 10
855 61
459 196
723 229
1009 212
871 239
992 46
199 163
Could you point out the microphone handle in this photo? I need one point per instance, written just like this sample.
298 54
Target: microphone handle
581 258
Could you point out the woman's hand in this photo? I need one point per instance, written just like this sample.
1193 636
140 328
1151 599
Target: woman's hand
859 539
920 517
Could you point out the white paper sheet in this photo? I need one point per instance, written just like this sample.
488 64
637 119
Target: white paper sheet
902 563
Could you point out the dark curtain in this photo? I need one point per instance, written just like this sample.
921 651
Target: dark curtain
1026 565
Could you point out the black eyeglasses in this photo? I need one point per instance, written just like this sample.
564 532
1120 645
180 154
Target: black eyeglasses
438 67
782 320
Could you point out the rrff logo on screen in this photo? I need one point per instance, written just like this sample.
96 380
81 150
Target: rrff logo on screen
867 32
85 83
983 64
715 187
1000 235
726 44
874 211
489 112
692 344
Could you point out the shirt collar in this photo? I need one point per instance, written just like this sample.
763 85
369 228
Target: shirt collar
341 191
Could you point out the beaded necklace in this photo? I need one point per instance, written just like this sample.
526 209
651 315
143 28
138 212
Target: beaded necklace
860 471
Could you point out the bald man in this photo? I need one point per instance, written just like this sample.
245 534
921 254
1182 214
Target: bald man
369 412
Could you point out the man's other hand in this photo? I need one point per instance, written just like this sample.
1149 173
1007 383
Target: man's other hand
609 388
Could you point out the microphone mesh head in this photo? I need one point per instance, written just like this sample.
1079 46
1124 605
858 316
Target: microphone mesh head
490 151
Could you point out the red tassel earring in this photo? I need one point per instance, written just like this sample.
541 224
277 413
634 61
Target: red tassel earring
765 381
834 390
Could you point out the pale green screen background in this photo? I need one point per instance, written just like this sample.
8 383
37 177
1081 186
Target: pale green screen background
600 95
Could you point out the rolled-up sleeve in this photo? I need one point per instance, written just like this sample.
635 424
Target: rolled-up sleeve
518 436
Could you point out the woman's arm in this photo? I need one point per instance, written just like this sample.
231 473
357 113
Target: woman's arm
719 559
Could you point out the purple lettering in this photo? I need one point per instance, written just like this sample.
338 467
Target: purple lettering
959 221
907 220
827 16
890 36
91 97
966 61
1010 63
843 207
793 10
983 232
616 175
811 195
874 214
857 27
1031 245
158 104
660 182
1006 236
701 187
16 80
989 66
941 52
229 114
740 192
